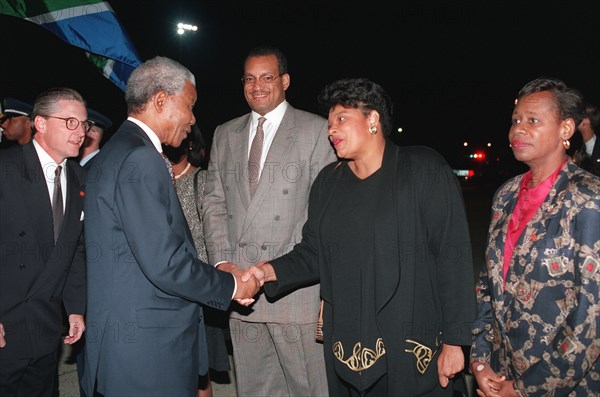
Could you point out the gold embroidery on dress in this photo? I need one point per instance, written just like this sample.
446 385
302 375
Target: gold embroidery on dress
423 355
361 358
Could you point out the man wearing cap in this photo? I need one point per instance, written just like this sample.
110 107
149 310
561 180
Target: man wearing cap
15 121
91 144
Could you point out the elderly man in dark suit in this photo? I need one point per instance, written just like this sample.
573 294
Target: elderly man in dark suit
42 263
146 335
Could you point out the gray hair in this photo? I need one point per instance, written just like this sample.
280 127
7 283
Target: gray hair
47 101
155 75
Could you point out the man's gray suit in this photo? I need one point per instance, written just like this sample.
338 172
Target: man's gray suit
247 230
145 334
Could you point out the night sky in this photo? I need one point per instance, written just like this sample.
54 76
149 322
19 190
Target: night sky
452 69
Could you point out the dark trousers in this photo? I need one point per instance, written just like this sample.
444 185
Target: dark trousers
28 377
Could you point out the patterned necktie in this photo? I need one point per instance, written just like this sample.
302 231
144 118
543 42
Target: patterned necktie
169 167
57 203
255 155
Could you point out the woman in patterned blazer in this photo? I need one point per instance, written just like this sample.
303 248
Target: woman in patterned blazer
536 332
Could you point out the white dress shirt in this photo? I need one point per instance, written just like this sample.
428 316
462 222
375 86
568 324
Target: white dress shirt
49 167
270 127
589 145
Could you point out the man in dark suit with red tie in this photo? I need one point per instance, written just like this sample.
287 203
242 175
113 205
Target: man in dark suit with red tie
42 262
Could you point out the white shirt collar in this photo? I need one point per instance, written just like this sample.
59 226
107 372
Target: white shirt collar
45 159
589 145
87 158
49 168
274 116
151 134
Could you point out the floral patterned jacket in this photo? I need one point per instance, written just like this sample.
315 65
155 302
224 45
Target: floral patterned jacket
541 329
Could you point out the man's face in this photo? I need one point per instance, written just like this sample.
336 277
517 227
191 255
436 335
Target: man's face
53 134
17 128
177 116
265 87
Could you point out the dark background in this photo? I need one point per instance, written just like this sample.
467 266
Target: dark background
452 69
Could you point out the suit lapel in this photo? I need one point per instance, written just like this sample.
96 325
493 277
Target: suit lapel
65 241
36 198
238 144
283 140
74 201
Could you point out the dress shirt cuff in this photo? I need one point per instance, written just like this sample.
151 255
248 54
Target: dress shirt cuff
234 280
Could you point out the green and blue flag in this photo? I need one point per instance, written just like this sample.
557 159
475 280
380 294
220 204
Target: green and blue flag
88 24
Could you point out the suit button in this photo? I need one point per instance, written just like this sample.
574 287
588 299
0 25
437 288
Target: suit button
230 216
277 217
21 266
242 245
264 247
21 234
227 188
285 191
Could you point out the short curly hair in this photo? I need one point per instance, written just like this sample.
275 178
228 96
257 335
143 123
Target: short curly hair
359 93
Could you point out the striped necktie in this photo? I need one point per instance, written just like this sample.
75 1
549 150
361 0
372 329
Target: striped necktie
255 155
57 203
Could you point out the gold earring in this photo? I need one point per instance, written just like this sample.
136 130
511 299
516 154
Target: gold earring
373 129
566 144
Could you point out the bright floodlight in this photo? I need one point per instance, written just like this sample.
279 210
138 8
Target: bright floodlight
183 27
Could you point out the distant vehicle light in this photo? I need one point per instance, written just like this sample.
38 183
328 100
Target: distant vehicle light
465 173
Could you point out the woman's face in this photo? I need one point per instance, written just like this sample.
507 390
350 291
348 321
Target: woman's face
536 134
349 132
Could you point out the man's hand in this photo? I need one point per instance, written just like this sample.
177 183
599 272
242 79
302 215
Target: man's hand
450 363
247 284
2 333
247 287
76 328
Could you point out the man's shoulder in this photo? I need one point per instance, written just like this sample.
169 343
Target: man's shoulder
306 113
123 140
11 154
234 123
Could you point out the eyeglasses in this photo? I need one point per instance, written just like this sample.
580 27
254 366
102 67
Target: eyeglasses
72 123
264 79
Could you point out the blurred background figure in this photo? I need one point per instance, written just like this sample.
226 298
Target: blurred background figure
90 147
93 139
15 122
538 294
588 155
190 179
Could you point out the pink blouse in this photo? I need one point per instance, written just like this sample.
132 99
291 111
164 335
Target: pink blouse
528 202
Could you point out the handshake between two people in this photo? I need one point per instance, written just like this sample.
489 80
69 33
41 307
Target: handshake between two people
248 281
